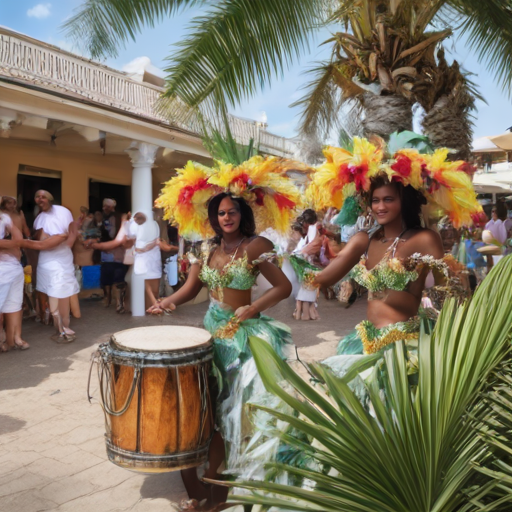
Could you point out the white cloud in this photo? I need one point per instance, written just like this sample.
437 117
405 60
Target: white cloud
39 11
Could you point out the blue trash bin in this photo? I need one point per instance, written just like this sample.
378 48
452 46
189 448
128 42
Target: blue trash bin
91 277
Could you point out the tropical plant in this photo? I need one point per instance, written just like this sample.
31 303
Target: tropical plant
221 144
492 419
237 47
412 448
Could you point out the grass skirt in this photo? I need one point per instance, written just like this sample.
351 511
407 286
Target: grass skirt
245 429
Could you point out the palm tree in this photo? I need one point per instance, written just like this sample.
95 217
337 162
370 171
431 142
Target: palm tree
237 47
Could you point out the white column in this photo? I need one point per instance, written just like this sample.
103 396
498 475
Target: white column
143 157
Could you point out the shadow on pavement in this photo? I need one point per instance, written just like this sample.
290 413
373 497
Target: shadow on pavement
8 424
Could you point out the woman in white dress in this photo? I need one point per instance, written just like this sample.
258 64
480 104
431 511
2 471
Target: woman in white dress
308 247
148 260
11 285
56 234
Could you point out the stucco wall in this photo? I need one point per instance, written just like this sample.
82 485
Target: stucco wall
76 168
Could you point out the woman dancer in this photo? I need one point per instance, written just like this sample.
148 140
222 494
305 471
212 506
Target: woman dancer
394 261
11 285
230 268
55 270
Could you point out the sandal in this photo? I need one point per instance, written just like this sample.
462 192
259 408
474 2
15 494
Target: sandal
63 338
21 345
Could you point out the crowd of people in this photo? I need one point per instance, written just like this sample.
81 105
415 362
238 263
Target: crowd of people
56 248
382 247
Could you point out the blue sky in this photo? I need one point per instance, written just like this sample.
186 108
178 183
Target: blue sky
42 20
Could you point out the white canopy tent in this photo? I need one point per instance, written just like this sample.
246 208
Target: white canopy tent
485 145
493 182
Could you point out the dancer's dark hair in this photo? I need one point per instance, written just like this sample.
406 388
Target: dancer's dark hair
501 210
247 223
411 200
309 216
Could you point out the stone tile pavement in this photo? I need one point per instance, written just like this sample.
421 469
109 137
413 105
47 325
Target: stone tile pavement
52 452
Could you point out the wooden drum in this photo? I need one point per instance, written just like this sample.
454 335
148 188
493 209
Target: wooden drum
155 394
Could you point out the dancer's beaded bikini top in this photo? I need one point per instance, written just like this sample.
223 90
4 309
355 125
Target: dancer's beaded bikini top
237 274
392 273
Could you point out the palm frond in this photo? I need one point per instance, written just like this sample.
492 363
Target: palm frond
326 94
221 144
415 450
236 48
488 26
492 420
100 27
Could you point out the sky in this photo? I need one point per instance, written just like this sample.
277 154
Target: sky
43 21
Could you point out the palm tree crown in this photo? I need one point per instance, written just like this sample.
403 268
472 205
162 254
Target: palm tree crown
237 47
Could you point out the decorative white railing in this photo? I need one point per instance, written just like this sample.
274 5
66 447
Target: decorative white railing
47 66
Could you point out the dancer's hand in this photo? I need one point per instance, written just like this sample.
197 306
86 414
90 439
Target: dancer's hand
161 306
245 312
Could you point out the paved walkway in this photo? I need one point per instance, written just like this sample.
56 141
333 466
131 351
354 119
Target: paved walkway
52 452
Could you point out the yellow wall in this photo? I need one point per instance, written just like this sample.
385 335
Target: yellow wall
76 168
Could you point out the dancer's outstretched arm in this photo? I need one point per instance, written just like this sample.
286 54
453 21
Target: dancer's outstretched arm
281 286
346 259
186 293
44 245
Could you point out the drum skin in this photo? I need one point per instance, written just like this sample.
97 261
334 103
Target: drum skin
169 422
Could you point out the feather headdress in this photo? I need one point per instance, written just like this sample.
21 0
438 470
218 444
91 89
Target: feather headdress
263 184
260 181
446 185
184 199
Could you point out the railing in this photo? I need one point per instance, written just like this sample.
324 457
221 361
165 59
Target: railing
50 67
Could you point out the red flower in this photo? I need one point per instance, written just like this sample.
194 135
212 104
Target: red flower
259 196
403 167
355 174
479 218
468 168
241 181
283 202
188 192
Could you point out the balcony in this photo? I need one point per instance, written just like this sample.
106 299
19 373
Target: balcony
50 68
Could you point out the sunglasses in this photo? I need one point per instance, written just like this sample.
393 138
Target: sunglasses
222 213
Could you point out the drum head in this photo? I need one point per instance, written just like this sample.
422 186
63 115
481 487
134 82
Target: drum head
162 338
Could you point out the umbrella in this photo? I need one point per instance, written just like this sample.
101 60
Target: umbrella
489 183
503 141
484 145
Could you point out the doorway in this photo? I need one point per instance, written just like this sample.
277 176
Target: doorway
99 190
30 180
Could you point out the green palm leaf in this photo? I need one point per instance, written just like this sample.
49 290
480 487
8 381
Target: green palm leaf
415 450
237 47
100 27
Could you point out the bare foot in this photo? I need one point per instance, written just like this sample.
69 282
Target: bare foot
313 312
305 314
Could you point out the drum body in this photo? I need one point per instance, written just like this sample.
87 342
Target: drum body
156 398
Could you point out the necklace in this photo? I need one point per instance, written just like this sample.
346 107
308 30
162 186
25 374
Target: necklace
229 250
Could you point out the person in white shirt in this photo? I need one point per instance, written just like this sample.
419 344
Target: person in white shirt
56 232
11 285
497 225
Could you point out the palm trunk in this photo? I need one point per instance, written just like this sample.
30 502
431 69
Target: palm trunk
385 115
448 124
